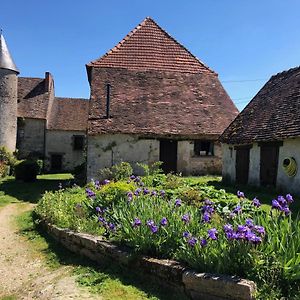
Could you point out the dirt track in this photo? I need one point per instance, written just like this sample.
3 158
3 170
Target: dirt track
23 272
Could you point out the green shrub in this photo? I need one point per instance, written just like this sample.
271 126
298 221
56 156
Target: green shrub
151 169
4 169
120 171
112 193
69 208
7 162
27 170
79 173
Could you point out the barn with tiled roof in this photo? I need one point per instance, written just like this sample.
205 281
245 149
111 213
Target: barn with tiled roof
261 146
151 99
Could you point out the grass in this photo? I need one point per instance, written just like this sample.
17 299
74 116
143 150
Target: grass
14 191
109 280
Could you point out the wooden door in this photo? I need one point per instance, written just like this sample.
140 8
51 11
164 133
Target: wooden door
242 165
168 155
268 164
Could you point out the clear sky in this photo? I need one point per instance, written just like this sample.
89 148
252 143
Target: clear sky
245 42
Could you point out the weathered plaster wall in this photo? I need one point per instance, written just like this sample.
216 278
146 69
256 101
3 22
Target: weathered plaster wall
61 142
31 136
110 149
8 109
290 148
228 163
189 164
254 165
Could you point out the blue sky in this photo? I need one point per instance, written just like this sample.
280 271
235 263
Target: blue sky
245 42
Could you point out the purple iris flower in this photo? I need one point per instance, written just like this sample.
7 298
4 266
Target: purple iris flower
255 239
212 233
228 228
102 220
276 204
150 223
207 208
164 221
105 181
240 194
137 191
186 234
178 202
281 200
146 191
256 202
153 193
286 210
90 193
203 242
289 198
242 228
185 218
249 223
162 193
208 202
237 209
137 222
154 228
132 177
260 229
112 226
130 196
192 241
206 217
98 209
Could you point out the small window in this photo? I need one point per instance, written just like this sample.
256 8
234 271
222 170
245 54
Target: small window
203 148
78 142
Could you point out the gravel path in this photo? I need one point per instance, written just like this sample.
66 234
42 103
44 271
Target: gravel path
23 271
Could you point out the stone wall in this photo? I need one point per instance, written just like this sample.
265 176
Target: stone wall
110 149
290 148
8 109
189 164
61 142
31 136
200 286
228 163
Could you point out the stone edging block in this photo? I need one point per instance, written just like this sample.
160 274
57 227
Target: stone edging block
198 286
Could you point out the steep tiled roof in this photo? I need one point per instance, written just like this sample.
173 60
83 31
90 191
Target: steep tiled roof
273 114
69 114
159 103
32 98
149 47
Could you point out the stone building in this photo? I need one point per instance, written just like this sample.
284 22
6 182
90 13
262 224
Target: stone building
151 99
261 146
37 122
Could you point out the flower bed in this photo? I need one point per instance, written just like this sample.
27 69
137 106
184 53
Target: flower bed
225 234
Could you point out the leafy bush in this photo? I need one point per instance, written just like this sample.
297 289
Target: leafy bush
116 172
111 193
27 170
79 173
7 162
69 208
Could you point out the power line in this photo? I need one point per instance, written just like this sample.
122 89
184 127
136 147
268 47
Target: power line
244 80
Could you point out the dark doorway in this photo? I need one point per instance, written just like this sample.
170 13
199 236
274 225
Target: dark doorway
242 165
56 162
168 155
268 164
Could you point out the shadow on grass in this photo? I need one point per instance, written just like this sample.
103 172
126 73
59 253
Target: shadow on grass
31 191
264 194
93 275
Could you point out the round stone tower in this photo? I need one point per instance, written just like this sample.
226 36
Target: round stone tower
8 97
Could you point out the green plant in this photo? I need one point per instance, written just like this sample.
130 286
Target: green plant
116 172
7 162
27 170
79 173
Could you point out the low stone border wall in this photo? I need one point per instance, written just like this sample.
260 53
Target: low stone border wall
200 286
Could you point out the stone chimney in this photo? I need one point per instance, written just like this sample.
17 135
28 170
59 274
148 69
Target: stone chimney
48 82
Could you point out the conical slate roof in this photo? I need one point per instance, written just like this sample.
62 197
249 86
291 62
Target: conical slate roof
149 47
6 60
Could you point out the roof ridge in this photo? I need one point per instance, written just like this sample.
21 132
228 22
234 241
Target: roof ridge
31 77
138 27
286 71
